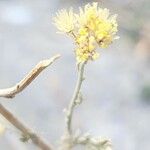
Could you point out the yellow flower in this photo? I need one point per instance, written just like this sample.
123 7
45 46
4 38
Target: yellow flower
93 27
86 16
95 56
64 20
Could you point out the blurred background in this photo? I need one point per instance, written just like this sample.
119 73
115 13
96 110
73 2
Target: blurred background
117 88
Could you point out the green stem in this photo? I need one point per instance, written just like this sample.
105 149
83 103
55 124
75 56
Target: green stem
74 98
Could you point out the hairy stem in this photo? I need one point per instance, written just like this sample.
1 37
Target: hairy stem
74 98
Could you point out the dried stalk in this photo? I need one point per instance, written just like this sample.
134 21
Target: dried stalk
12 91
26 132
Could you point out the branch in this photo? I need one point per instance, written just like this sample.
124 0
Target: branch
12 91
26 132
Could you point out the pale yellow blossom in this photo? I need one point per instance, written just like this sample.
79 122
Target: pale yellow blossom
93 27
64 20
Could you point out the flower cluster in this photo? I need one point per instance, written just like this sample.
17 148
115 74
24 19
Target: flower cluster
93 27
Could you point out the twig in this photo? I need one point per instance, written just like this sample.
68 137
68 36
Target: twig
12 91
25 130
74 98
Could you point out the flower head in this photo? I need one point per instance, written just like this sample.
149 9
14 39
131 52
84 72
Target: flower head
64 20
93 27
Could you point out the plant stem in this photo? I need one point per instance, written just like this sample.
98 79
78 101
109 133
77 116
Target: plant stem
38 141
74 98
12 91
